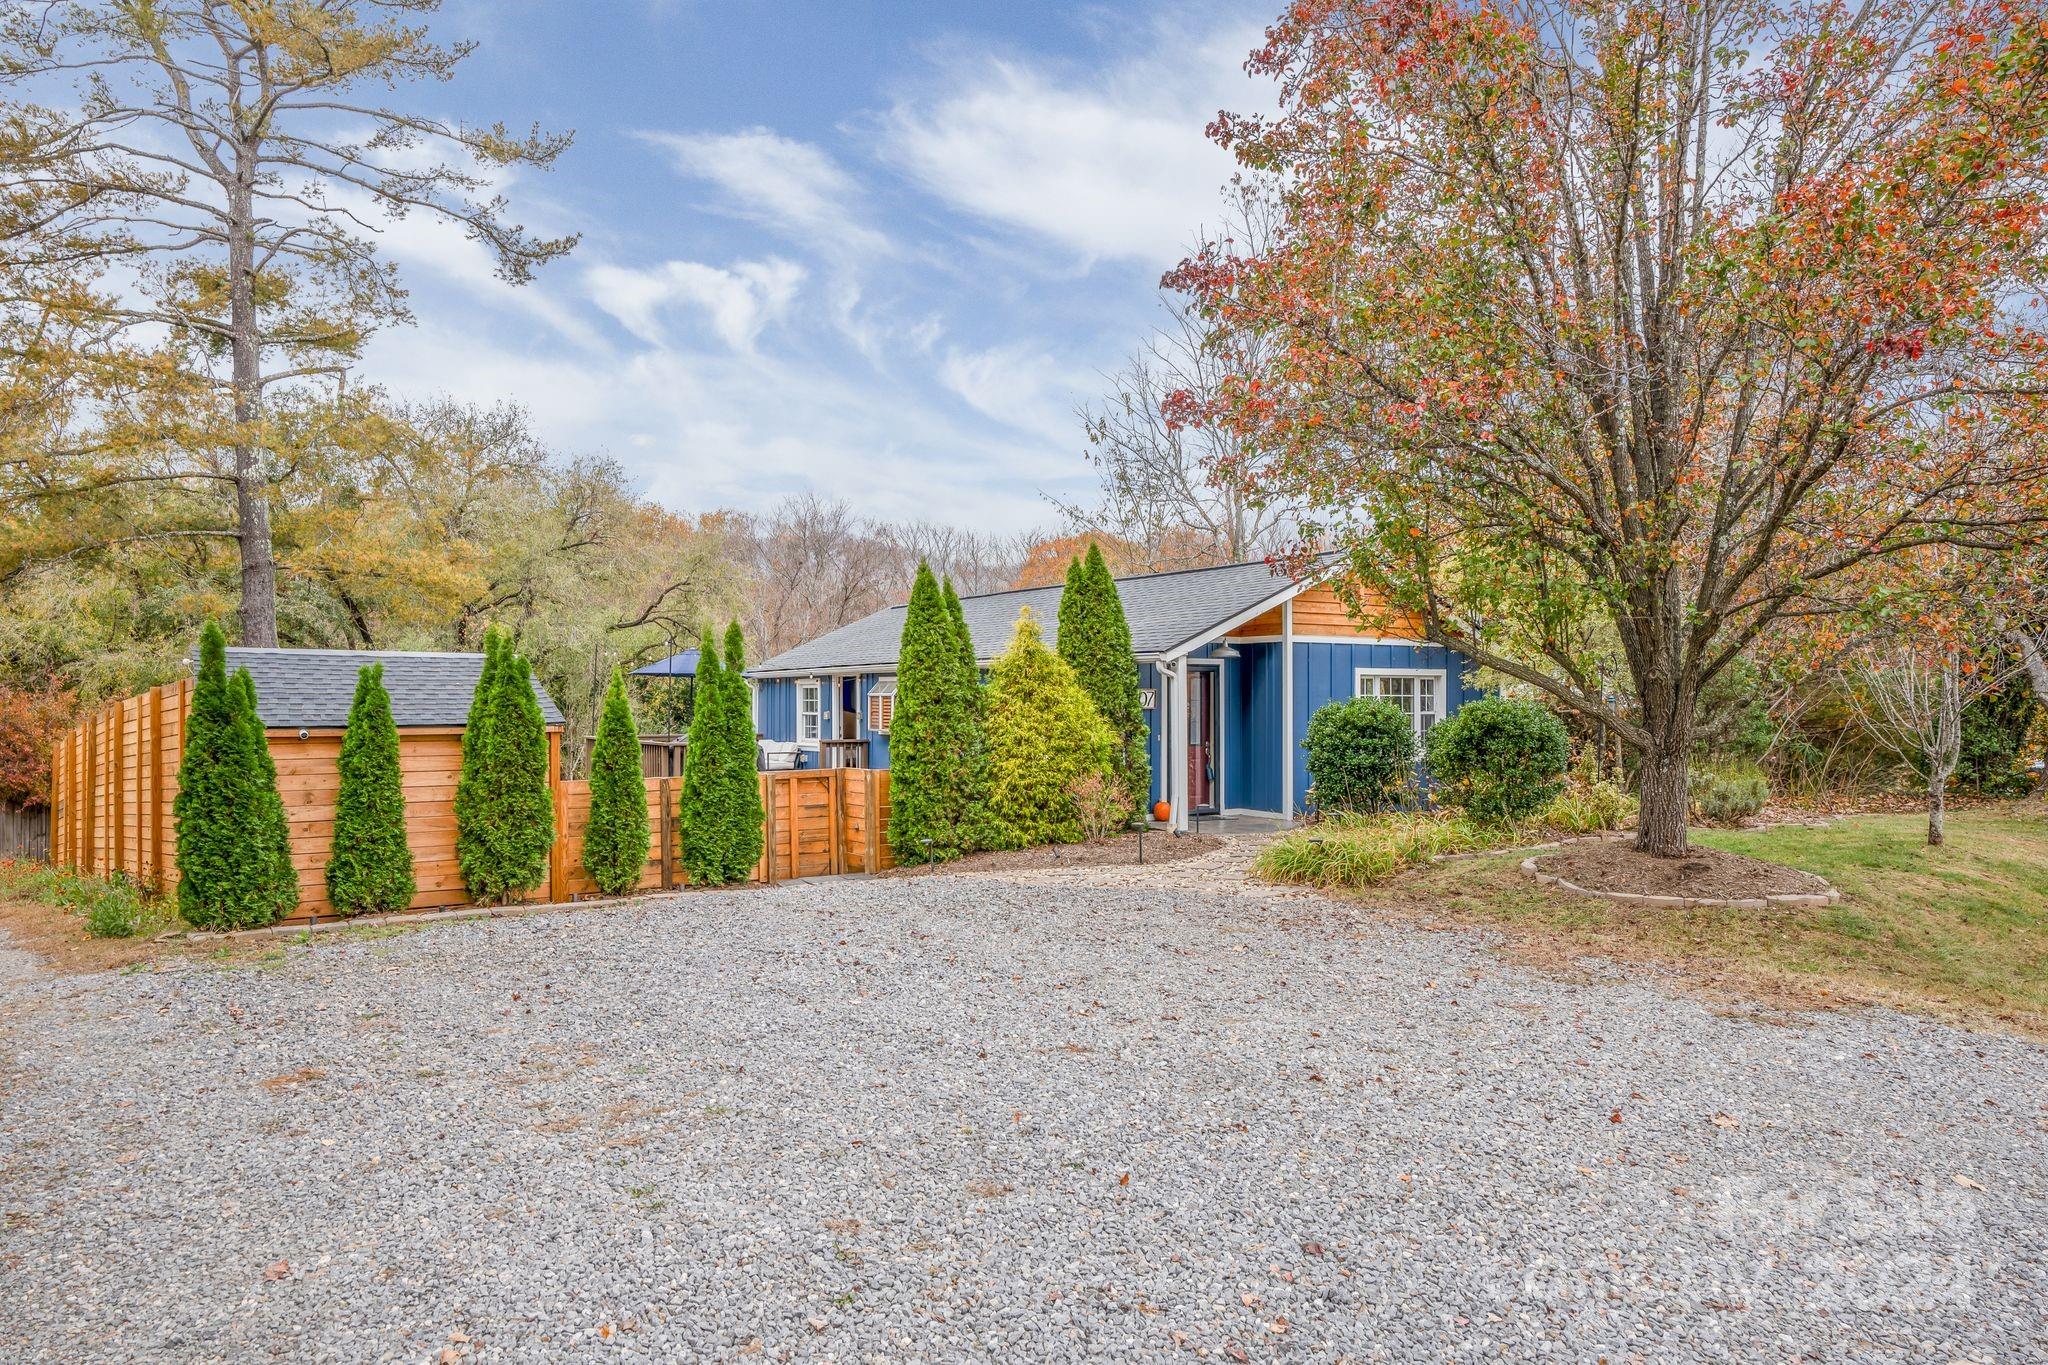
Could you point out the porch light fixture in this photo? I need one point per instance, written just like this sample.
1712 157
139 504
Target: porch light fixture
1225 650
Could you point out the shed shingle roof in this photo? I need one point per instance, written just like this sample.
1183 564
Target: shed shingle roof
1164 610
312 689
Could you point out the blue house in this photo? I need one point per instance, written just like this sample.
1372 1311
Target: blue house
1233 662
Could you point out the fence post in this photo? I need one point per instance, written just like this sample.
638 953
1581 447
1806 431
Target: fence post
558 852
668 838
769 828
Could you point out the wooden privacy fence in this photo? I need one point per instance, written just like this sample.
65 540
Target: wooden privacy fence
24 833
114 779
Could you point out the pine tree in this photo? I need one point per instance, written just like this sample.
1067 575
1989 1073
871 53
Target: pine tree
930 819
742 769
1045 736
232 836
705 835
1095 640
370 866
615 842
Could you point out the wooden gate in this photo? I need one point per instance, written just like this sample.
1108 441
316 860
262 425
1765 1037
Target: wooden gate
820 822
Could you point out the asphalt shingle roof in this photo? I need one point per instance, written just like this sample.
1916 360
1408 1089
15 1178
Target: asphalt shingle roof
312 689
1164 609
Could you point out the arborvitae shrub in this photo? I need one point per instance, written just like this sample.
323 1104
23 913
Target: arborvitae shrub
231 835
1501 760
1095 640
1361 755
511 812
722 816
743 769
615 841
370 866
472 852
1044 737
973 777
935 783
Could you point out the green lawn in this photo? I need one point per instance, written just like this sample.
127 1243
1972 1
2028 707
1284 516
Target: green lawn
1959 931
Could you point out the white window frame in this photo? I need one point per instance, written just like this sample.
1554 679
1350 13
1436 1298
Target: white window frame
816 688
1360 676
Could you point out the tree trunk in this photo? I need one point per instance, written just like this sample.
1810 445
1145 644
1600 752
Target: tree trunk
252 481
1937 810
1666 800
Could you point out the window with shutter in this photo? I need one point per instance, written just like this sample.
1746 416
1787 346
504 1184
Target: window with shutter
882 706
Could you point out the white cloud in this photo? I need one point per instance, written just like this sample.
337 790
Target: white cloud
1108 164
740 301
1020 386
791 186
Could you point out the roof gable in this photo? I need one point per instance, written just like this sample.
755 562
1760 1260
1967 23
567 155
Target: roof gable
313 689
1165 610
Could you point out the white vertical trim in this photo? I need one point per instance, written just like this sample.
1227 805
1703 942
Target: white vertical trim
1287 707
1174 753
1215 732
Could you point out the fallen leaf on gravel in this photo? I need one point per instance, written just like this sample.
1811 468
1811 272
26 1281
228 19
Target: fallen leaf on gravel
449 1355
1968 1183
1311 1248
1614 1117
1727 1121
1236 1353
1278 1326
1125 1179
1249 1300
817 1324
277 1270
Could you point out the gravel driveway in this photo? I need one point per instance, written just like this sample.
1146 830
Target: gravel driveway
950 1117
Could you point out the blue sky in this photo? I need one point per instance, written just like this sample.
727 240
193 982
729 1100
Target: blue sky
876 249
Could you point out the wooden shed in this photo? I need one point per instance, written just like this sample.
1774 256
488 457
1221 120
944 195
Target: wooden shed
115 775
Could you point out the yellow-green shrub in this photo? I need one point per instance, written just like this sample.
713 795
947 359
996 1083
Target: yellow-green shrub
1044 736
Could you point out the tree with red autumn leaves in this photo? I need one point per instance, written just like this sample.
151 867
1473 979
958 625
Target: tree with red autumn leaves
1665 316
31 719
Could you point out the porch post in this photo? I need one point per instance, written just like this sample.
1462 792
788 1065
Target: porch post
1287 708
1178 750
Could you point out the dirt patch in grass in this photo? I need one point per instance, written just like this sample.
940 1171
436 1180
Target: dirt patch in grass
1611 865
1959 933
1121 851
57 936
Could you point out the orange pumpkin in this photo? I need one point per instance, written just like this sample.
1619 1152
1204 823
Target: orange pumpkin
1160 810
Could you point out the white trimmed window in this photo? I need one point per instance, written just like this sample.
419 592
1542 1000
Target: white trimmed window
1419 693
810 710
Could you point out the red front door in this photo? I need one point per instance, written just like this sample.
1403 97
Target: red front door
1202 738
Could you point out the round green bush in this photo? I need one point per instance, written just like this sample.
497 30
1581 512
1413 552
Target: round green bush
1500 760
1361 755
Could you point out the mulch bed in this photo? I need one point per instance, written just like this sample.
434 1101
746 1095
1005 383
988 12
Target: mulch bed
1121 851
1703 872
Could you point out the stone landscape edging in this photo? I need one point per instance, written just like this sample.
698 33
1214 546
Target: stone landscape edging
1787 900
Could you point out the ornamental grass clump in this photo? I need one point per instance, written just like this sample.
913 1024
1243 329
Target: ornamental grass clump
1364 850
369 869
